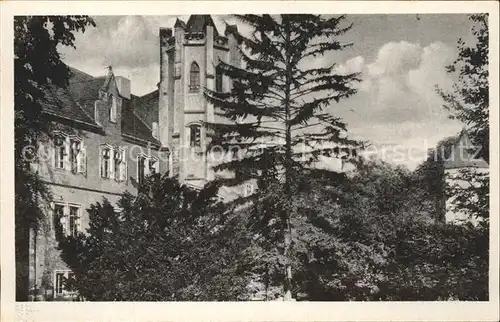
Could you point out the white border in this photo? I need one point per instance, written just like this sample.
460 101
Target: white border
270 311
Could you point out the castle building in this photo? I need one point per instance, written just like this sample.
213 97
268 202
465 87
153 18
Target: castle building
189 55
106 140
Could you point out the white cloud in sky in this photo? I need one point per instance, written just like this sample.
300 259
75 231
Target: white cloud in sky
396 103
402 79
400 108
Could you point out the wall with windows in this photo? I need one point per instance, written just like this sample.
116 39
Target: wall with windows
82 168
93 161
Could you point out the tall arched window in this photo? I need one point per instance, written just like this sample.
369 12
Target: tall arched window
194 77
218 79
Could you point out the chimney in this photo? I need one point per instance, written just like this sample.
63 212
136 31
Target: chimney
123 85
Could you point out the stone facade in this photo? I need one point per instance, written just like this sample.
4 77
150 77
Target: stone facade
98 149
189 56
97 117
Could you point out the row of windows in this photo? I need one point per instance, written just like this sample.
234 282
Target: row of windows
70 155
194 78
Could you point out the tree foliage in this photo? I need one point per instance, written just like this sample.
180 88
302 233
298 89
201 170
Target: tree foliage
168 243
374 240
430 176
469 103
37 64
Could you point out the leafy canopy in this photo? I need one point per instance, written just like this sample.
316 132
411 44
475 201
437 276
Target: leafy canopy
469 99
37 63
168 243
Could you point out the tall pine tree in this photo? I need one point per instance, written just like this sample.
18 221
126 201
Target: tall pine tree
275 111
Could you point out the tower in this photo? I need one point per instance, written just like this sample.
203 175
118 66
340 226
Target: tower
188 59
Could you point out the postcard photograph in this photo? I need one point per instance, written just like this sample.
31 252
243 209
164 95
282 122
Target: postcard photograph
252 157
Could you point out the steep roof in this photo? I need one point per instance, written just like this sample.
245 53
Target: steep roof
133 125
76 102
463 154
146 107
60 102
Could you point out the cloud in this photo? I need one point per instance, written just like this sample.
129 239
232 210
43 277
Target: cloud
400 82
397 108
127 41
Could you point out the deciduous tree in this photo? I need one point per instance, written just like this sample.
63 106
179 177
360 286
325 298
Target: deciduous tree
37 63
168 243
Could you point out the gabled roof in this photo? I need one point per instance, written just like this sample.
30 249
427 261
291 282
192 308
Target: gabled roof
60 102
180 23
146 107
199 23
463 154
133 125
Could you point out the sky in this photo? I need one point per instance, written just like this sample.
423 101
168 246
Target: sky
401 59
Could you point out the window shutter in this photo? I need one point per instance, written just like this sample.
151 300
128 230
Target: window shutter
82 161
101 163
125 172
78 220
123 165
146 167
67 147
111 164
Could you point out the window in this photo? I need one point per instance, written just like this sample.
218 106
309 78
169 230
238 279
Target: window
248 189
112 109
106 162
67 219
218 79
153 166
146 165
58 214
194 77
60 151
74 154
120 165
141 168
61 279
69 153
195 135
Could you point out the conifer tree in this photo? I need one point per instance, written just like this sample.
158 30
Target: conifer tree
275 111
468 101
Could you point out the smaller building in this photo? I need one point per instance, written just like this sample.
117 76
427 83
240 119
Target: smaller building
463 161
